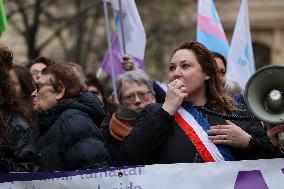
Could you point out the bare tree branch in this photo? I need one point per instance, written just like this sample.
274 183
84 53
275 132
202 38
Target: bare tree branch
16 27
68 22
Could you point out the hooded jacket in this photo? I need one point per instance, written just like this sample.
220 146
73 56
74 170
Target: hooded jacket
69 138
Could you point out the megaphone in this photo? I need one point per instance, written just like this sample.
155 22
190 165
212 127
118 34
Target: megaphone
264 96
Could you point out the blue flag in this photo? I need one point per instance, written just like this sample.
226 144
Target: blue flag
210 31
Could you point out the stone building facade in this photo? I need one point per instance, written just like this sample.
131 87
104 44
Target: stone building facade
266 24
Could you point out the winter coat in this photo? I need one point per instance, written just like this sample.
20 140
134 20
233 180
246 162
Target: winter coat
157 138
69 138
117 154
114 131
18 157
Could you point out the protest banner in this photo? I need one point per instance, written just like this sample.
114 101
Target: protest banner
253 174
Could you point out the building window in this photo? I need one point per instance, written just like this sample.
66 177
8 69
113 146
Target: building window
262 54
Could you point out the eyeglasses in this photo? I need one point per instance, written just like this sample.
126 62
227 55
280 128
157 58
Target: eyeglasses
142 95
38 86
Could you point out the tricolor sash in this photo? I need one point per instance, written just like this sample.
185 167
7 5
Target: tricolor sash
195 127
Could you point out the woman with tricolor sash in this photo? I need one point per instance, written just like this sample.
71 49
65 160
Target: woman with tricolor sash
198 121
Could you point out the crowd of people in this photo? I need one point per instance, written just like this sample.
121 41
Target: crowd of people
55 117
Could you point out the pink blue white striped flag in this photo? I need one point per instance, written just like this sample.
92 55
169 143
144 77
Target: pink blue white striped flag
240 58
210 31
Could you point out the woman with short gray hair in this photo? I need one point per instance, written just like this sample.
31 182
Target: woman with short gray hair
136 76
135 91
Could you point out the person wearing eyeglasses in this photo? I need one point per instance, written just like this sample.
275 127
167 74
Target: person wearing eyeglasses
134 91
37 65
68 118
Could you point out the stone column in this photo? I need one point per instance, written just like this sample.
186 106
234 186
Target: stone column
277 50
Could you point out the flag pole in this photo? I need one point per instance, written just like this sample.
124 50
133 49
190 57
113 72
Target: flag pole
122 27
98 73
107 27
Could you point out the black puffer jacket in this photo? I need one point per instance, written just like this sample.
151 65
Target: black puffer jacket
157 138
69 138
18 158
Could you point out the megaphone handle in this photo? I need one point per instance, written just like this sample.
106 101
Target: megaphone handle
281 141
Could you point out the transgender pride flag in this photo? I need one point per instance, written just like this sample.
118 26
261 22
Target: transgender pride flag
209 28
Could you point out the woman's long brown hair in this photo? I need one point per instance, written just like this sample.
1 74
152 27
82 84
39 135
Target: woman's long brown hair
217 97
9 101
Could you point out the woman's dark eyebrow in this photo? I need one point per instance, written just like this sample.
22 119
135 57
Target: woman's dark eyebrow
183 61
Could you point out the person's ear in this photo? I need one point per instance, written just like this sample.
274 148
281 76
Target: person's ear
60 94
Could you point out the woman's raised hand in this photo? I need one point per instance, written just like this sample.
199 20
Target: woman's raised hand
176 93
127 63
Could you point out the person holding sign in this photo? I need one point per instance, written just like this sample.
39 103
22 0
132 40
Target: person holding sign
198 121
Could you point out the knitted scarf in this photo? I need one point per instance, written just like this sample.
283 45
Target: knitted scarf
121 123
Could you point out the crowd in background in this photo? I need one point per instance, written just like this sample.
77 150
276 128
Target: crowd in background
56 117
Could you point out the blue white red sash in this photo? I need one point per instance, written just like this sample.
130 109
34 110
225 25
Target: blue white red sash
195 126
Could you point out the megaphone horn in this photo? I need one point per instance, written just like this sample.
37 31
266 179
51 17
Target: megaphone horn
264 94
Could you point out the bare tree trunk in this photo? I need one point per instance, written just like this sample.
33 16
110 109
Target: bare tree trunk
31 25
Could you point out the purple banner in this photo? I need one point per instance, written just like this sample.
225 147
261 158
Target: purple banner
117 57
250 179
